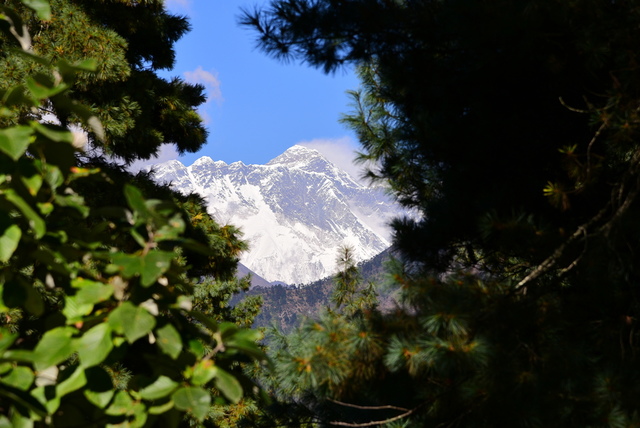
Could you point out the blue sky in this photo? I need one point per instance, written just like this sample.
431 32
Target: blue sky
258 106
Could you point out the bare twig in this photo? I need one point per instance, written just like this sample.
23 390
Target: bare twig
553 258
575 262
355 406
373 423
568 107
593 140
631 196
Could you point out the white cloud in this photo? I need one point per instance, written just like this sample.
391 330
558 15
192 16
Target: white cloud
212 88
209 80
174 5
340 151
166 153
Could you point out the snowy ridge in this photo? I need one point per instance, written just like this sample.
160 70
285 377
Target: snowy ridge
295 211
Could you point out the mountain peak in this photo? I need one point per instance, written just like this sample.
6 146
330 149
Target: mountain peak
297 156
295 212
204 160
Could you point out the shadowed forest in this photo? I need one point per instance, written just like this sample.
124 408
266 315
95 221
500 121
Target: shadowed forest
511 127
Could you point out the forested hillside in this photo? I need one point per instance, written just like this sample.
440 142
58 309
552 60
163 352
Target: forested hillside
285 306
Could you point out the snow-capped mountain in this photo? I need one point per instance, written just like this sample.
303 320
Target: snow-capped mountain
295 211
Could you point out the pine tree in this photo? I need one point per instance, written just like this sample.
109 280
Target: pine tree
511 129
131 41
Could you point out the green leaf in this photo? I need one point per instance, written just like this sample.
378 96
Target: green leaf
155 263
45 208
73 201
91 291
95 345
16 96
99 399
194 400
77 380
23 398
203 372
20 355
35 221
30 175
32 57
162 408
228 385
15 141
20 377
121 404
99 390
46 395
55 346
53 176
41 7
129 264
69 70
136 200
172 230
74 311
5 422
41 87
169 340
54 132
197 348
20 421
245 340
208 322
150 266
9 241
133 321
139 411
162 387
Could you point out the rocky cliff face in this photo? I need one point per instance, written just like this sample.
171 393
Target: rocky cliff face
295 211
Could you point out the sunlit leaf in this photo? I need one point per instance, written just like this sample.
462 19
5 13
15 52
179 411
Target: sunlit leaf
9 240
20 377
41 89
99 390
121 404
133 321
6 339
55 346
15 141
54 132
194 400
203 372
169 340
162 387
35 221
135 200
95 345
228 385
41 7
77 380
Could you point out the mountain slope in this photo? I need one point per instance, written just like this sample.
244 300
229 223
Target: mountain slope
295 211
